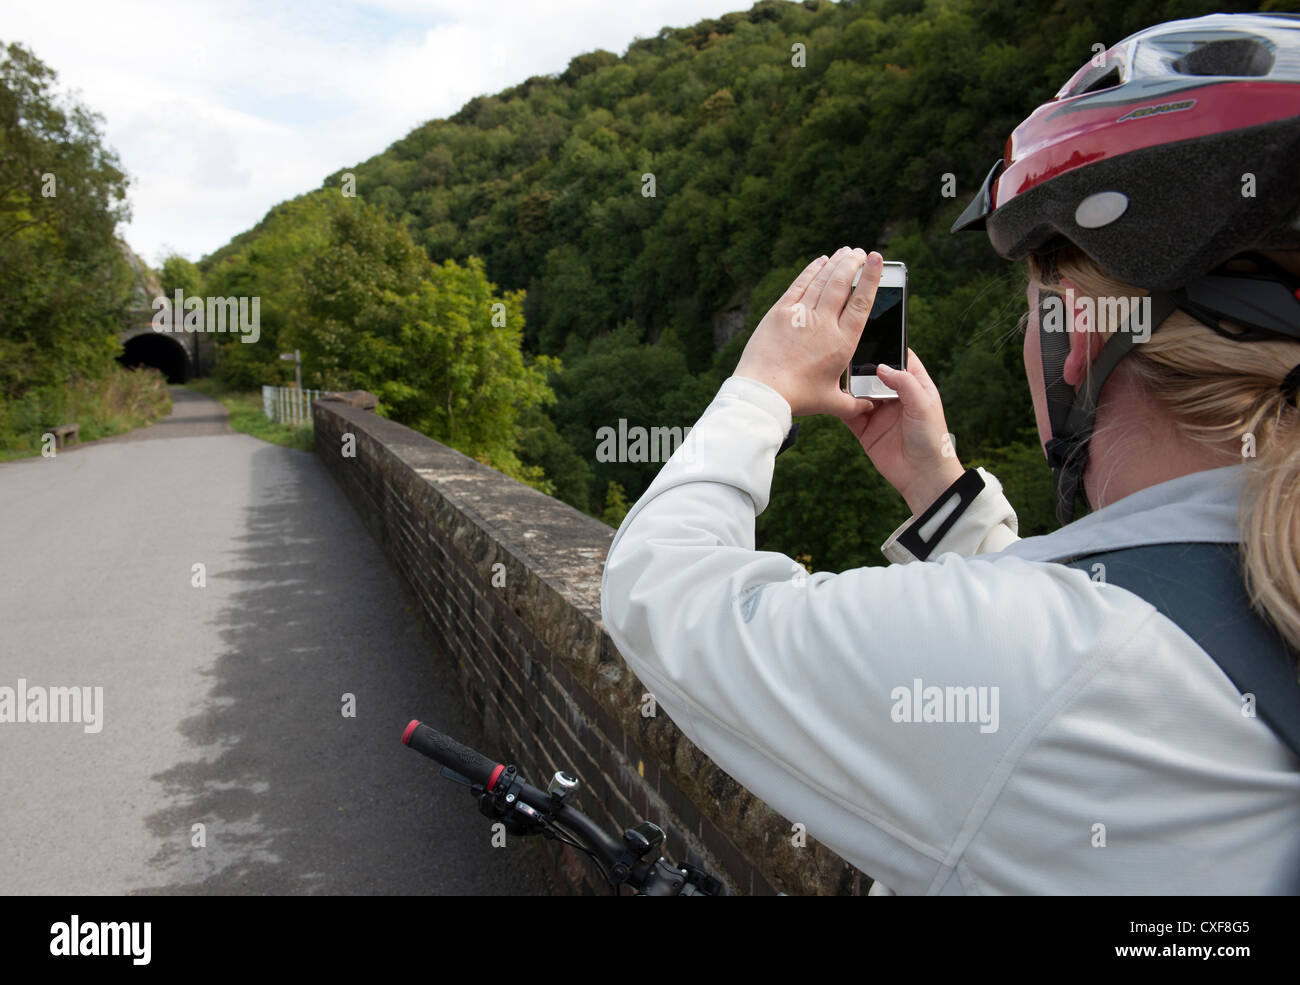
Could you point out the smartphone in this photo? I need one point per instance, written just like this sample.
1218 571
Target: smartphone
884 339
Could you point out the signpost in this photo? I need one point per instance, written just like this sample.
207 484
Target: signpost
296 358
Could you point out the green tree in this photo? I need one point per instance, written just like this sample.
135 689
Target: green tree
616 505
179 274
542 447
455 369
619 377
269 262
436 342
351 287
65 284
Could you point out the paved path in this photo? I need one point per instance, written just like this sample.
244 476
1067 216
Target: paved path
221 705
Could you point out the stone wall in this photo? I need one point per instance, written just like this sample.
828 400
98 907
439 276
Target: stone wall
508 580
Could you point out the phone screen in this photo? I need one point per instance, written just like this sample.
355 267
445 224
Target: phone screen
882 338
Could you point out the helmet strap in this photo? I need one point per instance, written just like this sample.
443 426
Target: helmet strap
1072 413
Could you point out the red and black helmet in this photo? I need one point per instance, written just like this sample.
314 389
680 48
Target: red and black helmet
1162 158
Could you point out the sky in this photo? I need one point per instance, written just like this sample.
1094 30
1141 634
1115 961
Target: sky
220 110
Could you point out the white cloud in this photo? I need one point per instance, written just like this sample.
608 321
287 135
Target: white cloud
221 110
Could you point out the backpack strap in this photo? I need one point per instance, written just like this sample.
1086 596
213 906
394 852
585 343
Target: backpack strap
1200 587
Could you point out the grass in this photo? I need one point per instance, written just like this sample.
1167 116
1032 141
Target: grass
120 401
248 416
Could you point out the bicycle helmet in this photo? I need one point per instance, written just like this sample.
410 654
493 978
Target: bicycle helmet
1162 158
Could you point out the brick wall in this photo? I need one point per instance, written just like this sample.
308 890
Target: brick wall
536 665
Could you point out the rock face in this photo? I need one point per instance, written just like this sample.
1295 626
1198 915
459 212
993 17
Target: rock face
729 322
147 284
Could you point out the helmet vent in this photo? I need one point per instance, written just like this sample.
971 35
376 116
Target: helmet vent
1105 77
1105 81
1231 56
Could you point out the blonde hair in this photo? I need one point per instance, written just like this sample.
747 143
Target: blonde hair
1217 391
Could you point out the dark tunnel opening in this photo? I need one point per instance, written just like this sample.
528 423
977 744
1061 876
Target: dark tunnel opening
160 351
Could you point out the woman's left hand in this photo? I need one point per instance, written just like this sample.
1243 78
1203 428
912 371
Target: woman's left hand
804 343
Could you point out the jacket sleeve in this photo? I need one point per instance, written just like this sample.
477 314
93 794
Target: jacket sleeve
811 690
987 525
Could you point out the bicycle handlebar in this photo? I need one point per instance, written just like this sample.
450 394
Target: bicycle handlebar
444 749
504 794
476 767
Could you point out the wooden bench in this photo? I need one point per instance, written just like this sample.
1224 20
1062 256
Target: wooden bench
65 431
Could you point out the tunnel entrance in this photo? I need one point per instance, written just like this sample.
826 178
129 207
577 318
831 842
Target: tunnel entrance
160 351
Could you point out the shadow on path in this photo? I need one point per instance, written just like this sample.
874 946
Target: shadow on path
296 798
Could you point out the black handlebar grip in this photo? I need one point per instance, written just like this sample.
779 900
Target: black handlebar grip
446 750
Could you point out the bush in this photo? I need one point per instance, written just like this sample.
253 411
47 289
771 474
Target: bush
120 401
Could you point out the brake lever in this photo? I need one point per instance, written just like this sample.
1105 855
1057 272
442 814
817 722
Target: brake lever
452 775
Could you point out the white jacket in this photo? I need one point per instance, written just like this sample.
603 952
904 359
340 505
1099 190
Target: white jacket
1113 756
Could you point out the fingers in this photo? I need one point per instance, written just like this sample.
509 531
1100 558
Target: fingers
917 368
813 296
864 295
846 406
814 292
838 280
795 291
911 391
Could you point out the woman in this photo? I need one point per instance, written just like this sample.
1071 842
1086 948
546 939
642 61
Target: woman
985 719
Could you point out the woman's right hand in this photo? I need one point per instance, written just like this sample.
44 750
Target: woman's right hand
907 438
